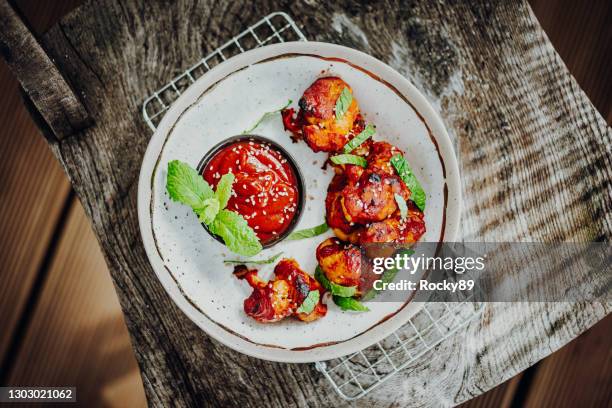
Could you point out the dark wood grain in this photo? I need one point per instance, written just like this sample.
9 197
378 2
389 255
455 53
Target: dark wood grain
533 154
39 77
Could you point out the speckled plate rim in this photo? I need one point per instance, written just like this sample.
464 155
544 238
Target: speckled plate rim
360 60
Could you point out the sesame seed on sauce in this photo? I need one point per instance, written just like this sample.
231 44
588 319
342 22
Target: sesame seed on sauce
265 191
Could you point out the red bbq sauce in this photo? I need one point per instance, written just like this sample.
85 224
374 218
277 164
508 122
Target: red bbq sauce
265 191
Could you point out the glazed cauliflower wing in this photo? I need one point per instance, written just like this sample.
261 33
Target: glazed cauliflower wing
317 122
340 262
396 230
279 298
372 198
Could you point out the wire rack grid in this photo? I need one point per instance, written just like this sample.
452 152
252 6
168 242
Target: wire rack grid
355 375
274 28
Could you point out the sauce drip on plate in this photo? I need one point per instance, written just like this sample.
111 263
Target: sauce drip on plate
265 190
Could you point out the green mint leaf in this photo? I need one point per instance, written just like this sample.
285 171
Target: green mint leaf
365 134
266 116
270 260
238 236
403 169
334 288
401 204
209 210
308 233
386 277
224 189
310 302
349 159
184 184
343 102
347 303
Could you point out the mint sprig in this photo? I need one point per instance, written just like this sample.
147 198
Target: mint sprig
308 232
349 159
334 288
270 260
343 103
185 185
224 189
417 194
401 204
208 210
238 236
266 116
310 302
348 303
355 142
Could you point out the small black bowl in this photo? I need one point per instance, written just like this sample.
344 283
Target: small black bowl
298 175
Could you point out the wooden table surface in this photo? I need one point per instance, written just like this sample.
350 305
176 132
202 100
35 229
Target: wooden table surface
534 157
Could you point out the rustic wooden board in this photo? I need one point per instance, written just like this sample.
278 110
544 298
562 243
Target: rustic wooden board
40 79
85 342
533 152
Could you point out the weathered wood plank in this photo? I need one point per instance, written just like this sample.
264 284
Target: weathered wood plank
533 151
85 342
39 77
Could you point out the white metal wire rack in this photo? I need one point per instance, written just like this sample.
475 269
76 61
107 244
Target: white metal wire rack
357 374
273 28
354 375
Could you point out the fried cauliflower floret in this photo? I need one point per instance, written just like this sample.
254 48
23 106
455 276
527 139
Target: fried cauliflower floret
289 270
317 122
352 173
396 230
381 232
340 262
379 156
279 298
372 198
360 196
334 214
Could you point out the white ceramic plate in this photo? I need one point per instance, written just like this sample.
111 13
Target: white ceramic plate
229 99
